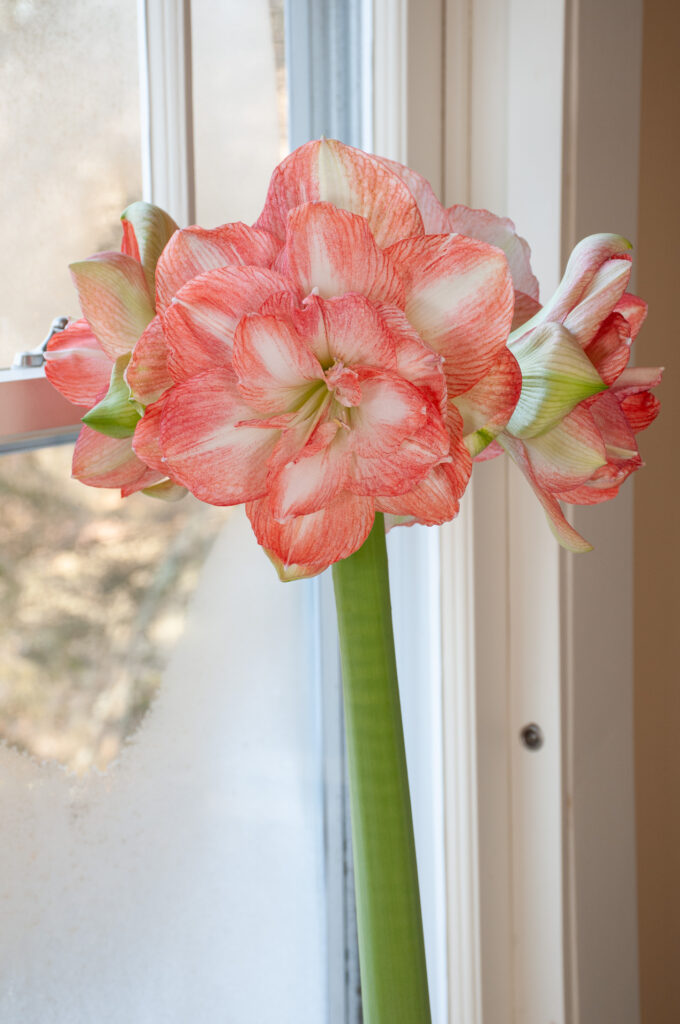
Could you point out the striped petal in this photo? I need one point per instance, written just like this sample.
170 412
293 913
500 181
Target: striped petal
609 350
195 250
76 365
525 309
146 442
619 439
273 364
563 531
206 448
637 379
415 361
114 299
309 483
147 373
314 541
431 210
459 297
587 259
348 330
599 298
200 323
436 499
331 252
146 231
568 454
634 310
102 461
487 407
501 232
390 411
556 375
332 172
397 472
640 410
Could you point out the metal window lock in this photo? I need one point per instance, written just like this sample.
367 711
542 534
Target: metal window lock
532 736
36 356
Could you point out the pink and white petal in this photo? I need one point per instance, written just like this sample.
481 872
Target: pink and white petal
199 324
568 454
347 330
640 410
288 573
584 264
431 210
525 309
280 304
492 451
436 499
416 361
598 300
618 437
609 350
193 251
146 231
316 540
102 461
147 373
331 252
309 483
634 310
147 480
592 492
390 411
114 299
128 243
394 473
274 366
76 364
637 379
205 446
460 299
501 232
487 407
146 441
563 531
329 171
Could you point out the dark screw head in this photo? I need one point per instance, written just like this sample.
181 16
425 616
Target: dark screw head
532 736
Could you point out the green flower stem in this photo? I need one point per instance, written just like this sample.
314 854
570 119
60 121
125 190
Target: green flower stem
391 944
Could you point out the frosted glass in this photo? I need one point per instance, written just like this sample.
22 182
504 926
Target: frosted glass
93 597
69 151
186 884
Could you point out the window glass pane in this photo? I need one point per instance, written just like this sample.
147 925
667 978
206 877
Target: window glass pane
69 150
240 104
93 599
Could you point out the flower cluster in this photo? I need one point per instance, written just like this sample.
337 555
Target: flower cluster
350 353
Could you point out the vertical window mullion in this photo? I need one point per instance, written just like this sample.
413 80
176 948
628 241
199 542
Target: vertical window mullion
166 98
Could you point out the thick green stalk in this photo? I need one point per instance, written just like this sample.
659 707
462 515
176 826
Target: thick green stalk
391 946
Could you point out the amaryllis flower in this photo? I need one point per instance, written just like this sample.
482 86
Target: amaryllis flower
325 389
573 431
92 362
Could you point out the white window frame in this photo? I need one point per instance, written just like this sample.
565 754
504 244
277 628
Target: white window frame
32 413
500 104
452 86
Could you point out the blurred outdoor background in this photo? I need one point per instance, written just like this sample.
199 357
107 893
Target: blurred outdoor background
93 589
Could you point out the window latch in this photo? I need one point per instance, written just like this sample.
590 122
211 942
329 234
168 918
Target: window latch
36 356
